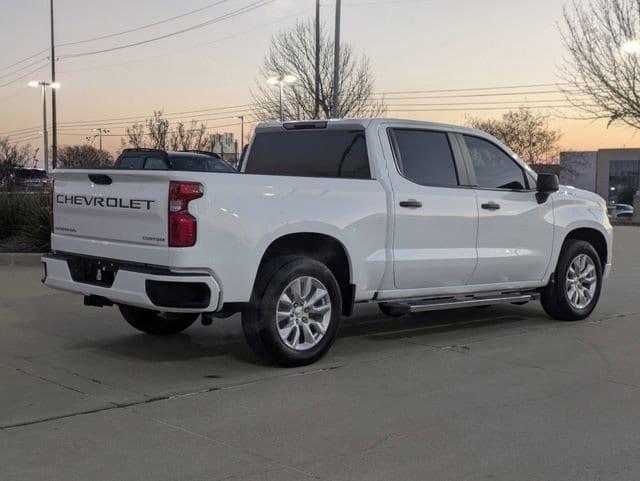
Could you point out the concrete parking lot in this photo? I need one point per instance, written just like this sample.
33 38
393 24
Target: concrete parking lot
501 393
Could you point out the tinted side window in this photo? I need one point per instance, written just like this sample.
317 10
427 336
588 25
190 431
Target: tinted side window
493 167
313 153
425 157
199 163
141 160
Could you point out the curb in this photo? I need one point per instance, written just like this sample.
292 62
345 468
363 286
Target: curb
20 259
625 223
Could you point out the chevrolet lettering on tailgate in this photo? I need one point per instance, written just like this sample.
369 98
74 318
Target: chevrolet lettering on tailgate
110 202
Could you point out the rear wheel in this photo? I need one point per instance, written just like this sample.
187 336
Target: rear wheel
157 323
575 288
294 312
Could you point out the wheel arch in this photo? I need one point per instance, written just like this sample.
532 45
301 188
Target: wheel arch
593 237
321 247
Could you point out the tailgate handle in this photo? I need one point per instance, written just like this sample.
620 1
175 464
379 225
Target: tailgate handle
100 179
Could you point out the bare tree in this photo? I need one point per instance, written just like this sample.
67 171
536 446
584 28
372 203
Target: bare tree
292 52
156 133
596 34
525 132
189 137
12 156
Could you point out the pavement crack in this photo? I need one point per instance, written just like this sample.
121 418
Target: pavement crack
229 445
151 399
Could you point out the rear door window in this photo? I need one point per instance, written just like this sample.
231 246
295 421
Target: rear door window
425 157
311 153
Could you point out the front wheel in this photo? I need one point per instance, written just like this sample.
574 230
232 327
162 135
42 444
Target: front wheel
157 323
294 312
575 288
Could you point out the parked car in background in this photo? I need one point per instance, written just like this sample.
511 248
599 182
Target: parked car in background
413 216
621 211
28 180
186 161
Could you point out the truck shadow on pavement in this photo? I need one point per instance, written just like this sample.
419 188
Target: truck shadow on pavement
224 339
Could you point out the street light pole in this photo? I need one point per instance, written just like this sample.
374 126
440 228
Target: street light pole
335 109
280 81
43 86
54 121
101 131
45 135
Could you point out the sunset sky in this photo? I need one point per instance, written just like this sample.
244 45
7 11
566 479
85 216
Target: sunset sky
422 45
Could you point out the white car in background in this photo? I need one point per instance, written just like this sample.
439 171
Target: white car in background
621 211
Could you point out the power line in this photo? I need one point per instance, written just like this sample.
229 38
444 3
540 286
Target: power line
140 117
24 59
164 115
496 94
125 126
468 89
248 8
123 32
24 75
142 27
200 44
482 108
76 134
176 119
471 104
23 68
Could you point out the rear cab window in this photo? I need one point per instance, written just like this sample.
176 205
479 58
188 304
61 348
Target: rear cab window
333 153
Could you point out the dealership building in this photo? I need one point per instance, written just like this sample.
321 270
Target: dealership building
614 174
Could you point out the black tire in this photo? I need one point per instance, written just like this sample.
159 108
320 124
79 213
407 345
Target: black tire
157 323
555 299
387 311
259 319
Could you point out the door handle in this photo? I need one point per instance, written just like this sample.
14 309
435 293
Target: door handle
411 204
490 206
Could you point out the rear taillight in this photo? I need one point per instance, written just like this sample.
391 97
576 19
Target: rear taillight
182 225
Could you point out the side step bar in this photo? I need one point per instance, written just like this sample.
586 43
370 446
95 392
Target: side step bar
458 302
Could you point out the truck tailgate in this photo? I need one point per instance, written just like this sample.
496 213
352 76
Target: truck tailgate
115 214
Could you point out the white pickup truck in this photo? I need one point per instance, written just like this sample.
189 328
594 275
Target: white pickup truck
413 216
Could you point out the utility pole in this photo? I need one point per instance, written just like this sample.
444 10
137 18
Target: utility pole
317 91
54 123
101 131
335 108
241 119
43 86
44 126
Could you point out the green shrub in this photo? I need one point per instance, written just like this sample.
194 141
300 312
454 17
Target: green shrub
24 219
9 215
35 230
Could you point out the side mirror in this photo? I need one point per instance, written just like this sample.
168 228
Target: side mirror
546 185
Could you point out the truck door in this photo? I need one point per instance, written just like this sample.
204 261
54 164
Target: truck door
515 232
436 214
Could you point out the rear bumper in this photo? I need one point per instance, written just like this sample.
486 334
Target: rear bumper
137 287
